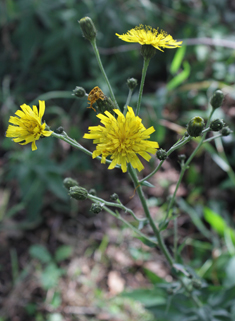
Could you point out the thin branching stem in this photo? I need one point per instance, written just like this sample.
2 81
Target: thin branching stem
97 54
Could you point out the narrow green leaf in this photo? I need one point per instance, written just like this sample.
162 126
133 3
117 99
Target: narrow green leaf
177 60
181 77
146 183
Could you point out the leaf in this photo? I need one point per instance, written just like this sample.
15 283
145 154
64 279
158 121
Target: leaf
50 276
148 241
177 60
146 183
40 252
181 77
194 217
148 297
163 225
181 268
218 223
63 253
230 269
154 278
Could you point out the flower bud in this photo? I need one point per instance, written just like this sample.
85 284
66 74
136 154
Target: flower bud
88 28
132 83
195 126
161 154
92 191
59 130
181 157
217 99
226 131
96 208
217 125
147 51
79 92
79 193
69 182
105 104
114 197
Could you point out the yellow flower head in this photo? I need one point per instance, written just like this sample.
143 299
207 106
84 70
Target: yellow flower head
27 126
146 35
95 94
122 138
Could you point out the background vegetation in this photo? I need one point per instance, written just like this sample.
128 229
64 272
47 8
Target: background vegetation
57 261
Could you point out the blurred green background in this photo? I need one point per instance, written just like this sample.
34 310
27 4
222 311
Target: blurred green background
44 56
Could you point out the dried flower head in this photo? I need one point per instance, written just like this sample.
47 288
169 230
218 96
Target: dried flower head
95 94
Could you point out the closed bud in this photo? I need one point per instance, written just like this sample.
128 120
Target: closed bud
96 208
181 157
92 191
217 124
197 284
226 131
161 154
217 99
132 83
147 51
79 92
114 197
88 28
69 182
195 126
79 193
59 130
105 104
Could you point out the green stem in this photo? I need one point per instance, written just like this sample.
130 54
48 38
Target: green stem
175 238
194 298
127 101
211 138
118 216
97 54
161 243
121 206
185 166
76 145
144 71
174 147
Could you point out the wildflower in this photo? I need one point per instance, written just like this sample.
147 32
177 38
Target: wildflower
122 138
146 35
27 126
95 94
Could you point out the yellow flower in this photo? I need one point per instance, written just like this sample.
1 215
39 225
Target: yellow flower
122 138
27 126
146 35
